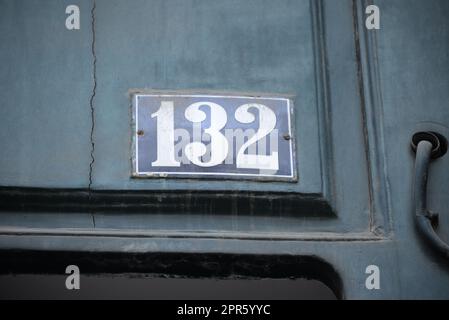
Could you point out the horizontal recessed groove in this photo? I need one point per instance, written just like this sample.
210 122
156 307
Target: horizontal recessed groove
173 201
125 233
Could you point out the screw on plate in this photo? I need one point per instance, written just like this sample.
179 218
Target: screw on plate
140 133
439 142
287 136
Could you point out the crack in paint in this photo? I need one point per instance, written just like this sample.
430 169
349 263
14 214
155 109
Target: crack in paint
91 104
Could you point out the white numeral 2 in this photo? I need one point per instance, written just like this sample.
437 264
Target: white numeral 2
267 122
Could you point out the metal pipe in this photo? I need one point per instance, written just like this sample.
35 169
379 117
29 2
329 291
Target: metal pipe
425 220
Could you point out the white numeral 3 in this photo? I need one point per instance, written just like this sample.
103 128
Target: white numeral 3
218 143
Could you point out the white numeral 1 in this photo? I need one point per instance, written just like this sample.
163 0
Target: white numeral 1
165 136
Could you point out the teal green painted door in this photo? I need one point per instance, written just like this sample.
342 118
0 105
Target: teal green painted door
66 124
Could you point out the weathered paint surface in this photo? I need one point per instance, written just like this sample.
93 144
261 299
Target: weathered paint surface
359 96
46 80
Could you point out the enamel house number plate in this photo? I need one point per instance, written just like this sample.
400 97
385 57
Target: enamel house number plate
211 136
